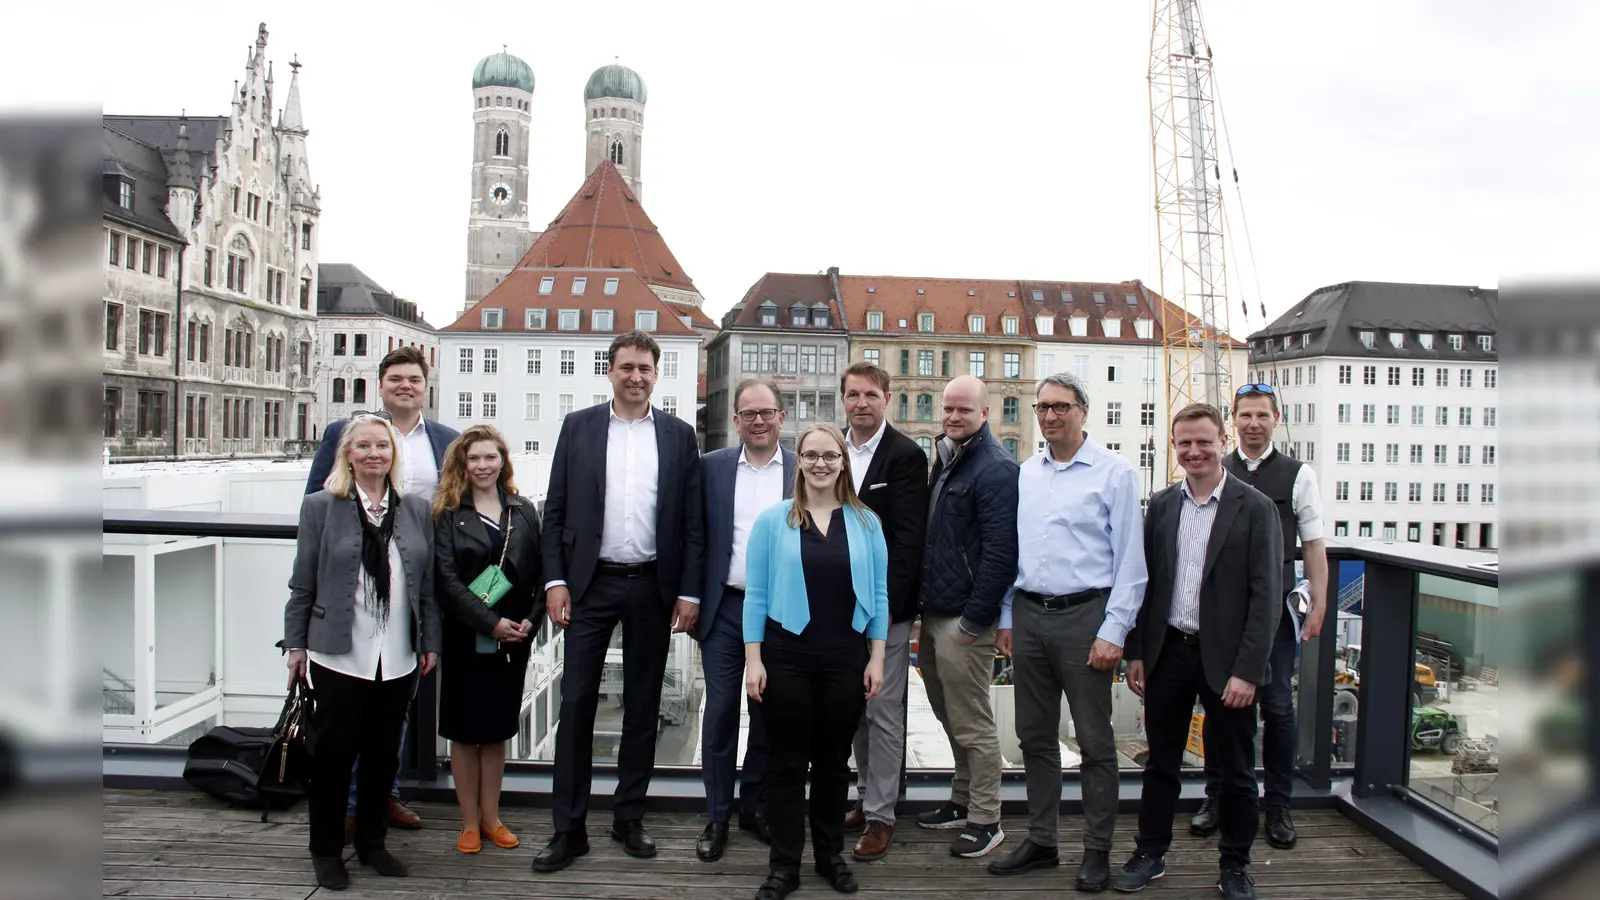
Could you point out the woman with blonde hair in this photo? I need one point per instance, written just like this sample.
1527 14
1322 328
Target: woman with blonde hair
480 522
816 614
359 625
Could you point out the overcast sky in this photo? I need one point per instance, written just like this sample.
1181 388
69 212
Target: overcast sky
1375 139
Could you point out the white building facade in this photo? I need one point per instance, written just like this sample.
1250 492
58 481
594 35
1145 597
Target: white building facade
1391 393
359 322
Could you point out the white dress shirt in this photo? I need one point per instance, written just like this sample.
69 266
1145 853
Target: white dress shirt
368 645
754 490
1194 536
861 457
419 473
1304 498
633 466
1079 528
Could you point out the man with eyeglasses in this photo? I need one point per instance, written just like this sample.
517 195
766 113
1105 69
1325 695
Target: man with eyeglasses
1079 585
740 482
1292 487
969 562
890 473
403 388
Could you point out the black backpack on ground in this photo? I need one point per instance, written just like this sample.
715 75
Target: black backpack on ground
257 768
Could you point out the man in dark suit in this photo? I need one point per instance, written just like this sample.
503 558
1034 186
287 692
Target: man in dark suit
624 542
403 389
739 482
891 477
1211 608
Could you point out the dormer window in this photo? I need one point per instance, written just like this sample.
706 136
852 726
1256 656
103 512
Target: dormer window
1368 339
1305 339
924 320
492 319
535 320
601 320
1111 327
819 317
1008 324
1486 343
1078 325
645 320
1455 342
1045 325
125 194
579 285
975 324
611 286
797 317
874 321
1426 340
1397 339
1144 328
569 319
547 284
1288 341
769 315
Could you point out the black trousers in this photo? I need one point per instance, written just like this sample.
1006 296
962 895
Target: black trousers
354 717
1171 687
1279 737
813 704
722 659
646 631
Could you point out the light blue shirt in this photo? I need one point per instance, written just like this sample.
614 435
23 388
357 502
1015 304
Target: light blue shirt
776 587
1079 528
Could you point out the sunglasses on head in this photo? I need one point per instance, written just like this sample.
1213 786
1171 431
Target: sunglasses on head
381 414
1255 389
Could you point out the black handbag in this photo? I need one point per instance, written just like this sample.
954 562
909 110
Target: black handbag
287 769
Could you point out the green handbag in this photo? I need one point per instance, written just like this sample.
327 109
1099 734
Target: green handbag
490 586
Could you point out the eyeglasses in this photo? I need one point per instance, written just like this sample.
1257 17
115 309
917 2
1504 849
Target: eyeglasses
749 415
381 414
1254 389
811 457
1060 409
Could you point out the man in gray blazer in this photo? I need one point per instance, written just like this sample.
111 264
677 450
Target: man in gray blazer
739 483
1215 554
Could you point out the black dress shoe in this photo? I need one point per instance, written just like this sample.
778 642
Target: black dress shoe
712 842
1280 828
1094 873
331 872
756 824
634 841
1027 857
383 862
1138 871
565 847
1204 822
838 875
778 886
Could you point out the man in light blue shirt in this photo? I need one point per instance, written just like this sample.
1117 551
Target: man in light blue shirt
1080 581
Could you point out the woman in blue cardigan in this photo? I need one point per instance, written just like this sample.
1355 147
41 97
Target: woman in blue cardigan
816 613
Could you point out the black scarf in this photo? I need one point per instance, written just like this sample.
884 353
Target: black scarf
375 555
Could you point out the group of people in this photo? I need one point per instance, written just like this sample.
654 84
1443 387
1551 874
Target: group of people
801 573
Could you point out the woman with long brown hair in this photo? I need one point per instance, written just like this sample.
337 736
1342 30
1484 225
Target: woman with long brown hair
816 614
479 522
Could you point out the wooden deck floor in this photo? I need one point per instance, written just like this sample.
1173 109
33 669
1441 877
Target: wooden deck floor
175 844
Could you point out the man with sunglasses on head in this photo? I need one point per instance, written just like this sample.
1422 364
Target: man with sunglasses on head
1292 487
740 482
403 388
1080 582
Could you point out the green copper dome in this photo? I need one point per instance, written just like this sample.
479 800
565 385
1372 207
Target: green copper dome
615 81
503 70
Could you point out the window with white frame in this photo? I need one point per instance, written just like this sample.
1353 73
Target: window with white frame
1463 493
1416 454
669 364
563 405
535 361
1369 375
1366 492
1441 377
490 404
530 446
1441 455
874 321
1369 413
828 360
925 321
1463 455
1114 369
872 356
1344 414
491 361
1341 452
1311 451
602 362
1393 414
1414 492
492 319
1364 529
1439 491
601 320
1147 415
465 355
1426 340
1486 343
1344 374
530 406
1369 453
1367 339
569 319
1491 378
569 362
1490 416
534 320
464 405
1389 531
1466 378
1488 494
1341 529
1441 415
1464 416
1391 492
611 286
976 363
645 319
547 284
579 285
1311 374
1456 343
669 405
1391 454
1397 339
1394 376
1113 413
1488 454
1008 324
975 324
1419 377
1111 327
597 399
1419 415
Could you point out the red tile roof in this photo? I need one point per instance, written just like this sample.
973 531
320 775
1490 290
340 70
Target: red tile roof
697 316
605 226
520 292
950 300
785 292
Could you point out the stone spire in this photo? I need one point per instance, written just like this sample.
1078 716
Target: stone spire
290 119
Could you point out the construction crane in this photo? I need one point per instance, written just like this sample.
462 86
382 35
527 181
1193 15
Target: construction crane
1189 220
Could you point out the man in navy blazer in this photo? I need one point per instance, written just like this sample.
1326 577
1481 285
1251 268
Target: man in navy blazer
624 542
403 389
740 482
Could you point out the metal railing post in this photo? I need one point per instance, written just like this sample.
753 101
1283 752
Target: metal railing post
1388 639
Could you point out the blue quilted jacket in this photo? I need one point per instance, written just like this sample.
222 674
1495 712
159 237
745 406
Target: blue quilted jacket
971 555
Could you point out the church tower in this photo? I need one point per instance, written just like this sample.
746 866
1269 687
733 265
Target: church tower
497 226
613 103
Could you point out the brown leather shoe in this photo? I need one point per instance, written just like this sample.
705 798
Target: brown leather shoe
855 819
874 843
400 817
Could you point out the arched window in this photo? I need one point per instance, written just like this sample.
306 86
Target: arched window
616 152
926 445
502 143
338 390
360 393
924 407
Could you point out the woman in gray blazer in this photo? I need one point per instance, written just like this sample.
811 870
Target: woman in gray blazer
361 623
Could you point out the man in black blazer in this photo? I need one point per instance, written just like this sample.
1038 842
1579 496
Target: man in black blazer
623 542
740 482
403 389
891 477
1211 608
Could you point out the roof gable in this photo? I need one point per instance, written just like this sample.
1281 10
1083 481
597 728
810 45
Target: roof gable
555 289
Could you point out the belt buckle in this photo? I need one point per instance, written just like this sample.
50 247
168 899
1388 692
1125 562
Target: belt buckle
1053 604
